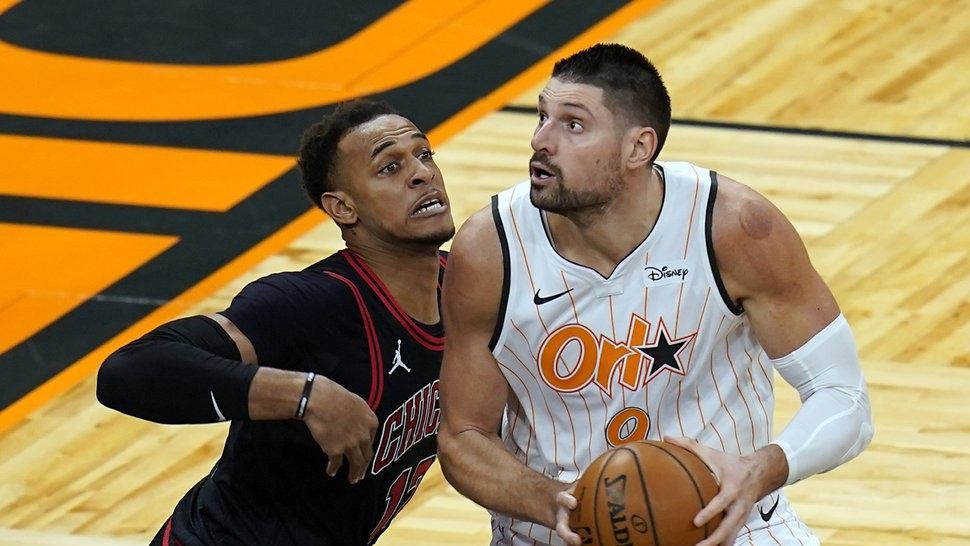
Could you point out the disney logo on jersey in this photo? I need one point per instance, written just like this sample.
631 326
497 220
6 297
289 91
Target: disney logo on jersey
572 356
670 273
412 421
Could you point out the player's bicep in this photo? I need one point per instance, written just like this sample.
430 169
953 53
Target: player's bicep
473 389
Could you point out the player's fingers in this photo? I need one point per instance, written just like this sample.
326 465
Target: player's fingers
711 510
357 464
718 504
336 461
373 424
727 530
564 532
566 500
681 441
367 451
694 447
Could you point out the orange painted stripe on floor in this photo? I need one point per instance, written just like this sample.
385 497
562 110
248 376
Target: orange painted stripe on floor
412 41
498 98
87 365
131 174
47 271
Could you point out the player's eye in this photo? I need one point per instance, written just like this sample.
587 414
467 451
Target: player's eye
390 168
574 126
542 117
425 155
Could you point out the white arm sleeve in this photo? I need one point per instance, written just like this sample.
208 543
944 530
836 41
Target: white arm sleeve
834 423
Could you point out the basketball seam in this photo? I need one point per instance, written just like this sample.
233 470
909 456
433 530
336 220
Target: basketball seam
596 496
646 497
697 488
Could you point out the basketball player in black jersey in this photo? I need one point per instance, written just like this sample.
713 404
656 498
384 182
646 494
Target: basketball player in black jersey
334 364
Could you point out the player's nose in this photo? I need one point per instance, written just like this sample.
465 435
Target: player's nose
542 139
423 174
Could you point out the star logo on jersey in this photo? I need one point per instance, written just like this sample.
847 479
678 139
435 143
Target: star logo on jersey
664 352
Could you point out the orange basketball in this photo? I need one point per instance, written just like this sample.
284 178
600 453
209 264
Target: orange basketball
643 494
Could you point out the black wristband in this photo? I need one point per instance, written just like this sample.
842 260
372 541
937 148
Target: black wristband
305 397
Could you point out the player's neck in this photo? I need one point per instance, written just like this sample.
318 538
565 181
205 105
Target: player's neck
411 276
600 239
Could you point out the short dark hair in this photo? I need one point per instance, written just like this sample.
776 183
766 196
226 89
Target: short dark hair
632 87
318 147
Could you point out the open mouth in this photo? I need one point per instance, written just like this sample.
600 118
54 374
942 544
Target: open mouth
429 207
540 172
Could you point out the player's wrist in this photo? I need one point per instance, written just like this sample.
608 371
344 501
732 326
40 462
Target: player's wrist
275 394
552 489
303 404
769 468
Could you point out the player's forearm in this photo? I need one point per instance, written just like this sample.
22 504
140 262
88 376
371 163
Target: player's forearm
834 423
480 468
830 428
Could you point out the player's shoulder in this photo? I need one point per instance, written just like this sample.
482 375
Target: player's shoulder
742 214
322 283
477 254
754 242
478 235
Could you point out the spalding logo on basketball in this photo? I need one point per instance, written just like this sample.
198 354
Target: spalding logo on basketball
643 494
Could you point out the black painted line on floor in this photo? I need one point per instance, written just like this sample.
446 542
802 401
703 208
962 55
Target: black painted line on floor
101 216
904 139
197 254
427 102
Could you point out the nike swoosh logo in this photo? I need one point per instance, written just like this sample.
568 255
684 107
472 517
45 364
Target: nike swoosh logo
539 300
215 405
767 515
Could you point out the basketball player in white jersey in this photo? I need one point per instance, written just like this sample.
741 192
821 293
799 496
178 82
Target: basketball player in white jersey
613 298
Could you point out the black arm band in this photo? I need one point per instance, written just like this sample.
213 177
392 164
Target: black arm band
185 371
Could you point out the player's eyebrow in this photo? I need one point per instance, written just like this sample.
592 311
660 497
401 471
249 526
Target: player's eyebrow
384 145
381 147
578 106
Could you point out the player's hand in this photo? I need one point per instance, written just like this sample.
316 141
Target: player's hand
565 502
742 481
344 426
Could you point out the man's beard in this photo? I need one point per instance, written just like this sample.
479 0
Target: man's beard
557 198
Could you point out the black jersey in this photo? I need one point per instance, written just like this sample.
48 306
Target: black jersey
270 486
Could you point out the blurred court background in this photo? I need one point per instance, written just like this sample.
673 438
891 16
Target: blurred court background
147 172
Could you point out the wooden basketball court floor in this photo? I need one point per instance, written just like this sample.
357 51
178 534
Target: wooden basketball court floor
852 115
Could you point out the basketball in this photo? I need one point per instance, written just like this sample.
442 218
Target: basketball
643 494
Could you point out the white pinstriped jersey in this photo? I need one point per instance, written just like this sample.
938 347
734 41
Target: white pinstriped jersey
657 349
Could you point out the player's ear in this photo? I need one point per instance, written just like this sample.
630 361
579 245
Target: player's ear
340 206
640 144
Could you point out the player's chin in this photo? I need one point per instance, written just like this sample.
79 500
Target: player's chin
437 223
436 236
